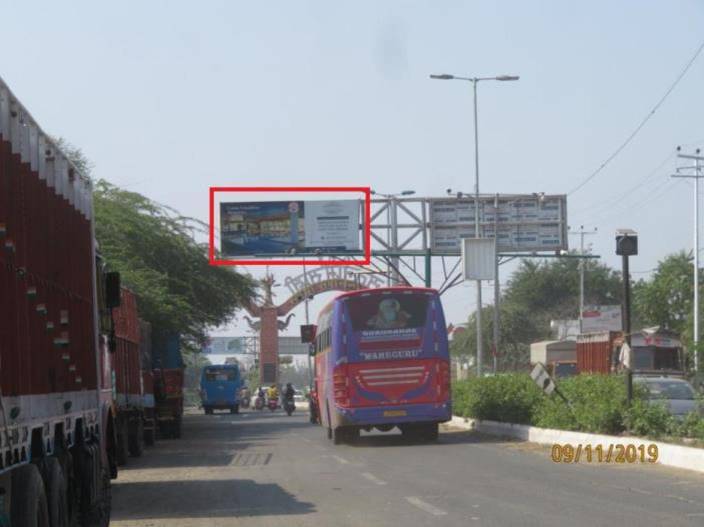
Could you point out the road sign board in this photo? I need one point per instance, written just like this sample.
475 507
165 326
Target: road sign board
542 378
478 258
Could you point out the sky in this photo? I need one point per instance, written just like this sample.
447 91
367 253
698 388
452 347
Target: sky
168 98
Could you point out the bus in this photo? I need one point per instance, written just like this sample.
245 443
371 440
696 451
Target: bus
220 388
382 361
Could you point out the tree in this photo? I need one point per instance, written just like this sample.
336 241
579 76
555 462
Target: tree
156 252
666 299
538 291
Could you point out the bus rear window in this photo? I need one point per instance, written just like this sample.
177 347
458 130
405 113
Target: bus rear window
220 375
394 311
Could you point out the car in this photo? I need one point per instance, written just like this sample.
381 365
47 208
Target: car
677 394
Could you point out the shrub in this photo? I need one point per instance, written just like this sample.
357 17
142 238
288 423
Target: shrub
645 419
509 398
598 404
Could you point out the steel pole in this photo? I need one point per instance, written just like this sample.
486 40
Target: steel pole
627 323
305 301
696 267
480 351
497 289
581 279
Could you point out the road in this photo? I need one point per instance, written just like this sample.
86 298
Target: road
263 469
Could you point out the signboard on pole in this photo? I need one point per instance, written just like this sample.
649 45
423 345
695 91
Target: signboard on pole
478 258
601 318
520 223
289 227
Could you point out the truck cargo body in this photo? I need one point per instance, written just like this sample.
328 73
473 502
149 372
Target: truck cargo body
168 383
148 404
56 419
129 405
596 352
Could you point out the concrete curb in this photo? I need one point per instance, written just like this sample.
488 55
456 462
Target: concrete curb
670 455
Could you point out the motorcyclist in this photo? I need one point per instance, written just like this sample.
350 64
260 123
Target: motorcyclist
273 393
289 392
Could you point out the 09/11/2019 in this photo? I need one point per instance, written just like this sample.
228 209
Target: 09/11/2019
613 453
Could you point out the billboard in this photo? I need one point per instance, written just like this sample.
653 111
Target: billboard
601 318
522 223
289 227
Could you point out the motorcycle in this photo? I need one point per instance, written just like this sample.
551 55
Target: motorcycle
273 404
289 406
259 403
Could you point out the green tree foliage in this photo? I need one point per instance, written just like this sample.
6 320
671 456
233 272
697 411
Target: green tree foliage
156 252
538 291
666 299
158 256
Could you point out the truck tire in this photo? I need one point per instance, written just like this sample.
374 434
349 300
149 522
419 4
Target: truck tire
176 430
136 444
99 514
122 447
208 410
150 435
56 491
235 409
29 503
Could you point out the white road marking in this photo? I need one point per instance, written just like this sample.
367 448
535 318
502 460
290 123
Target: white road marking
427 507
641 491
475 517
341 460
695 514
371 477
306 439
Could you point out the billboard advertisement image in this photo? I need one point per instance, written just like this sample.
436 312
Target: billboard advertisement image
289 227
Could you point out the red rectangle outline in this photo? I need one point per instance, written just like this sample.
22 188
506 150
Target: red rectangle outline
367 226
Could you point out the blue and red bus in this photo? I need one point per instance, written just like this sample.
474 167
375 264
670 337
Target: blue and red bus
382 361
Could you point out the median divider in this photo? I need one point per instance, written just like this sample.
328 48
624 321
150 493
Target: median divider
670 455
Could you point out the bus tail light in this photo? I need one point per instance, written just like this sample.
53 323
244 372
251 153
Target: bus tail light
443 386
340 385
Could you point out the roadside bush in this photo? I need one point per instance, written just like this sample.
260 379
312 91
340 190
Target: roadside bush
653 420
509 398
598 405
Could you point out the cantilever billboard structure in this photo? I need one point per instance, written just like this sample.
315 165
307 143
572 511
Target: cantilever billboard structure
524 223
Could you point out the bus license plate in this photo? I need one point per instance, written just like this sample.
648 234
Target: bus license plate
394 413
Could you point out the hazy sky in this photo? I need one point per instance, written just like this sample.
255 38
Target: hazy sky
169 98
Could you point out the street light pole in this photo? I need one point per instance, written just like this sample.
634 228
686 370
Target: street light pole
477 233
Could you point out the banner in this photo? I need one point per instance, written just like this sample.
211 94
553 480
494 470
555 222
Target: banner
524 223
289 227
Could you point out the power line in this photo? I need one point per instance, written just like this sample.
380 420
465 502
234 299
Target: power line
642 123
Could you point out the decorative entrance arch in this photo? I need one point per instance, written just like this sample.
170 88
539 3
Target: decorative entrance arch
316 281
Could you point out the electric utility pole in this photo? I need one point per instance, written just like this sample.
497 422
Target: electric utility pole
696 175
582 233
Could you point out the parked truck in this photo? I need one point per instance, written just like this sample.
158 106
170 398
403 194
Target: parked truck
148 403
558 356
654 351
168 383
57 434
127 365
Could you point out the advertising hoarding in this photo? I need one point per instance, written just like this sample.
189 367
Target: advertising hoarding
601 318
523 223
289 227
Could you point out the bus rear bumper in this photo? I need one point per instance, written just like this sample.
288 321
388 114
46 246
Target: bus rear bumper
393 415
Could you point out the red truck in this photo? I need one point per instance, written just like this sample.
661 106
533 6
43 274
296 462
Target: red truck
148 403
127 367
168 383
57 440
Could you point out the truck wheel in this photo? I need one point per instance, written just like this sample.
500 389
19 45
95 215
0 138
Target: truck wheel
99 514
176 430
136 446
122 443
56 492
235 409
208 410
29 503
150 436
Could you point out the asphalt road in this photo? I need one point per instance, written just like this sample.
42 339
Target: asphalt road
263 469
